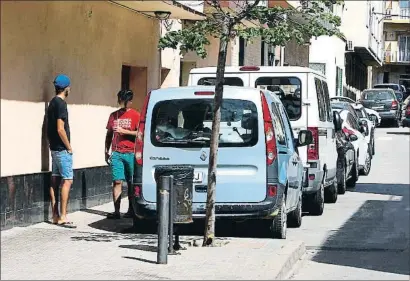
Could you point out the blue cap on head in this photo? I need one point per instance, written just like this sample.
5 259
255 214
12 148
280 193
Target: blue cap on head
62 81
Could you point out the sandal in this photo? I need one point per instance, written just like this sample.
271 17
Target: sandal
114 216
67 224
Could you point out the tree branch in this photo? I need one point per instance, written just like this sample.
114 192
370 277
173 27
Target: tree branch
245 12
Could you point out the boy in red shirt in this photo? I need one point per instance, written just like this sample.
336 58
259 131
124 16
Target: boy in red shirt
121 132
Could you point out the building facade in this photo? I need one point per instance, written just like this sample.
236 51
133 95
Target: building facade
396 37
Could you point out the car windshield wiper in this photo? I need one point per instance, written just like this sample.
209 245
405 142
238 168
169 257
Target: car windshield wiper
186 141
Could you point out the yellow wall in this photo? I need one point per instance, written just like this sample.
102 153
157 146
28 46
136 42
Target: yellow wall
89 41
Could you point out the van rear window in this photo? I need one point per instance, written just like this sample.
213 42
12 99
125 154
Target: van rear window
229 81
288 89
188 123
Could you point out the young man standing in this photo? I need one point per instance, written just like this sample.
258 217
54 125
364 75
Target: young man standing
58 132
121 132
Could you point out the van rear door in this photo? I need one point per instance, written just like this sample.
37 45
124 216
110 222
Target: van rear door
180 132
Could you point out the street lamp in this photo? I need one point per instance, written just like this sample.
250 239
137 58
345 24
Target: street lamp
162 15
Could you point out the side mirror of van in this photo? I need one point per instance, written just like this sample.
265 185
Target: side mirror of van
337 121
305 137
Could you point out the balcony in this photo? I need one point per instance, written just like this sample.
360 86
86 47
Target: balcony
398 15
397 57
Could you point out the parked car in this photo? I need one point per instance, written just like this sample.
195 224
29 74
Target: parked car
384 101
355 132
406 118
404 110
343 99
305 95
368 124
260 173
374 116
398 90
346 161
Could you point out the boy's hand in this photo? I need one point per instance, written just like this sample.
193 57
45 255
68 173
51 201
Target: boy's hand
107 158
119 130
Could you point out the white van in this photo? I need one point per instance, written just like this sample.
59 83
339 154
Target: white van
305 95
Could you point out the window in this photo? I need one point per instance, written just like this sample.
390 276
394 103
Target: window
188 123
278 126
320 100
229 81
352 122
288 89
404 47
339 81
327 101
377 95
320 67
288 127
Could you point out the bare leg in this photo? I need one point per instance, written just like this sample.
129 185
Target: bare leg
130 211
116 196
65 192
54 190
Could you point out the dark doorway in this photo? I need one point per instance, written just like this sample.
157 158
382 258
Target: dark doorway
241 51
125 77
386 77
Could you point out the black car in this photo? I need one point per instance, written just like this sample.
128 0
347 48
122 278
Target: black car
385 102
344 174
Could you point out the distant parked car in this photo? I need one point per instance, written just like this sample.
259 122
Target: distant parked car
398 90
343 99
374 116
384 101
260 173
405 120
367 123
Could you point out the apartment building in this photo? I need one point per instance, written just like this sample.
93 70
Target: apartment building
396 47
363 28
327 55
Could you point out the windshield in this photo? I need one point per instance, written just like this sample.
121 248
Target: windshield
378 95
188 123
338 105
360 113
288 89
387 86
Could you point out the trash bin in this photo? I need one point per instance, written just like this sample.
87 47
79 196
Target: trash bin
181 192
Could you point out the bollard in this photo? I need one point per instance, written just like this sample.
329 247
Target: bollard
171 216
163 218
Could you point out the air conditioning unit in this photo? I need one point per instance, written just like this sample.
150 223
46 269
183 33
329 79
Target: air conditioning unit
350 47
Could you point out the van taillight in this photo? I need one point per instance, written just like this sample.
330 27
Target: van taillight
139 141
271 151
313 148
394 105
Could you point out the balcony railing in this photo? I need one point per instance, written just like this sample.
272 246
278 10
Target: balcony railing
397 57
398 14
404 13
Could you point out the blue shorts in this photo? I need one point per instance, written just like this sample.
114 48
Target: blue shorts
62 164
122 166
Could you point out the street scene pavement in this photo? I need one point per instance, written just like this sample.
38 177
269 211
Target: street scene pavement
365 235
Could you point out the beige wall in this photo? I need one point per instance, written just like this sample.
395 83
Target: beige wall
297 55
89 41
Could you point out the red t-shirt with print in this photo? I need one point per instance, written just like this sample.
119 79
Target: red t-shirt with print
127 119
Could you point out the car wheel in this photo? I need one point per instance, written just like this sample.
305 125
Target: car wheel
317 203
280 222
331 193
368 164
341 178
295 217
351 182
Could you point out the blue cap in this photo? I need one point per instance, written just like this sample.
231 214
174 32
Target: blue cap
62 81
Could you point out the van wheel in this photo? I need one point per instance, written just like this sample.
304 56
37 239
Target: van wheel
317 205
368 164
351 182
331 193
295 217
280 222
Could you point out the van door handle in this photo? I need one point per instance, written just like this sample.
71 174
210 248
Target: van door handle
283 152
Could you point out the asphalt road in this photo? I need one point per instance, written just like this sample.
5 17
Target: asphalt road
365 235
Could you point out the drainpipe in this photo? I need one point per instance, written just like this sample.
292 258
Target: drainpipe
282 56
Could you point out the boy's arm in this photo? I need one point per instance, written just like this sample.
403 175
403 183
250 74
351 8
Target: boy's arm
61 115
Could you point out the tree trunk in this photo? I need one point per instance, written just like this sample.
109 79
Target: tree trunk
213 154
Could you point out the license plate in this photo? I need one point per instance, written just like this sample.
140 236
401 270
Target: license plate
198 177
378 107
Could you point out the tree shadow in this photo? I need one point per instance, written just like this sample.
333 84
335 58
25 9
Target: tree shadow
376 237
382 189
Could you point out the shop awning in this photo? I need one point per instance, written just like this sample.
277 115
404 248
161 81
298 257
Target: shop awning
177 10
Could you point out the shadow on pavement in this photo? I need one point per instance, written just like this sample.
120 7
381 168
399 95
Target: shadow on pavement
383 189
140 259
375 237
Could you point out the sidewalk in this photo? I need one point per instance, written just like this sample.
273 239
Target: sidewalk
102 249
